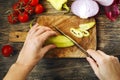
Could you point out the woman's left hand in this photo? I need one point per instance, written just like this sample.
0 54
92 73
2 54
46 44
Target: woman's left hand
33 49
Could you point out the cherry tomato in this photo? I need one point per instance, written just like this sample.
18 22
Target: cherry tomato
29 9
13 18
39 9
24 2
7 50
16 7
23 17
34 2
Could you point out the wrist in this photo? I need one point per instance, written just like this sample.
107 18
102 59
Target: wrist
19 71
23 66
28 64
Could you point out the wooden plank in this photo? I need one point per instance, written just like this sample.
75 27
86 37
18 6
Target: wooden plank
17 36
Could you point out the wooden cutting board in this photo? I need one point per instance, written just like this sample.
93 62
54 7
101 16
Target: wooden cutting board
64 23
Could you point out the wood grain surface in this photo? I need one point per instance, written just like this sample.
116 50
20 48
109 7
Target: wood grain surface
108 40
64 23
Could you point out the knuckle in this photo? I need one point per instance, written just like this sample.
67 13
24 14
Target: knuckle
40 27
103 60
116 58
110 58
37 39
43 27
41 40
49 33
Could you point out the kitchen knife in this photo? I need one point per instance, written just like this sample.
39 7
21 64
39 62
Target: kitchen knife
80 47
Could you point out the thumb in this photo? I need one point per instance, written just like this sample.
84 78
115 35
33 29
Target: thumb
47 48
93 65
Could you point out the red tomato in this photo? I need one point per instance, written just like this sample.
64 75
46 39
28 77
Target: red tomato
29 9
12 18
16 7
7 50
24 2
23 17
39 9
34 2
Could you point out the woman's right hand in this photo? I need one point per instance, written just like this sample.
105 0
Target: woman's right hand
105 67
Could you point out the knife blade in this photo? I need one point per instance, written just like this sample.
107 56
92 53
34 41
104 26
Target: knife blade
80 47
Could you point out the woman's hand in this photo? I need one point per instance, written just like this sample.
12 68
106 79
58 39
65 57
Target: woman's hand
105 67
33 49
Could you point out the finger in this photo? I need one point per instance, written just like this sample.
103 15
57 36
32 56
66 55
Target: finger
43 37
102 53
95 55
46 26
42 30
93 65
34 27
114 59
117 59
46 49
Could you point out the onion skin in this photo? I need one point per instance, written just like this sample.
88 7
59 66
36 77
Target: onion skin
105 2
85 9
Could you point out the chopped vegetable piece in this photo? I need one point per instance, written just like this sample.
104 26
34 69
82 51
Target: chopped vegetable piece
60 41
66 7
85 33
82 30
86 26
59 4
76 32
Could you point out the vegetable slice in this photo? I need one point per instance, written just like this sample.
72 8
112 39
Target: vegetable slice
86 26
60 41
82 30
59 4
76 32
85 33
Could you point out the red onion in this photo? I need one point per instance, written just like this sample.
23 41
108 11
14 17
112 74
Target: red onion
84 9
116 2
105 2
112 12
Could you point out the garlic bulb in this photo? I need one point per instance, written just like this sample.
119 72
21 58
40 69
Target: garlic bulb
84 9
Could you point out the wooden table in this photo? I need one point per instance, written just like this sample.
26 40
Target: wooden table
108 40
